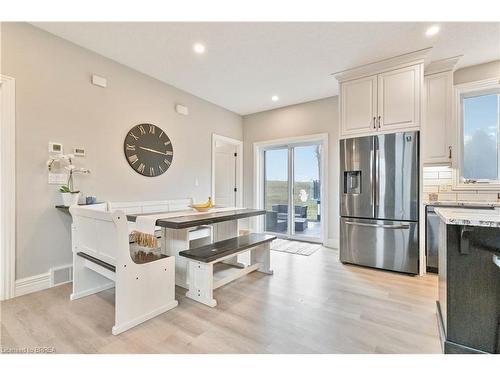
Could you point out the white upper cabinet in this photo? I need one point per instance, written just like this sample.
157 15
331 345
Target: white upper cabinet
399 98
437 133
385 102
382 97
359 105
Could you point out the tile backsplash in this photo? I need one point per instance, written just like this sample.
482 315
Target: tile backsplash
438 180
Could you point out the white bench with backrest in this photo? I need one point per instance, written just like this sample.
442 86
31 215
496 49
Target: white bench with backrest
144 288
150 207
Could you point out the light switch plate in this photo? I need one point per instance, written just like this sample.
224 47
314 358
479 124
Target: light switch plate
58 178
182 109
99 81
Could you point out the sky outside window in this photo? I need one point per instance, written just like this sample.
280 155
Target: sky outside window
306 165
481 118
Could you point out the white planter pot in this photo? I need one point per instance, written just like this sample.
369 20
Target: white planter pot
70 199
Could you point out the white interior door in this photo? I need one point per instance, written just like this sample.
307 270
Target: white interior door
225 174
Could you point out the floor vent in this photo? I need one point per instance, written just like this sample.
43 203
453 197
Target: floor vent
61 275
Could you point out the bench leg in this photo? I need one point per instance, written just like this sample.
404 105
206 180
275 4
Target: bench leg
201 283
223 231
86 281
143 291
262 254
174 241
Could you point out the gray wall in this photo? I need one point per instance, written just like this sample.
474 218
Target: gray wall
319 116
56 102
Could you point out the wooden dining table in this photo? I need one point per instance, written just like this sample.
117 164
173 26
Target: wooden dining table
176 229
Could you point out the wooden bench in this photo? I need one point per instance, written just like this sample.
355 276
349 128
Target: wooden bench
102 259
200 270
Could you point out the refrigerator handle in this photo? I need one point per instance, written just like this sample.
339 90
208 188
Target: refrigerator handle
377 173
372 195
385 226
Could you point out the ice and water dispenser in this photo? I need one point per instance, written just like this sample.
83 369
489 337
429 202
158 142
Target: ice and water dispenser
352 182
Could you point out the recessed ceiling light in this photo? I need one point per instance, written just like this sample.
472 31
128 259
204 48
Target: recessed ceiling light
199 48
433 30
275 98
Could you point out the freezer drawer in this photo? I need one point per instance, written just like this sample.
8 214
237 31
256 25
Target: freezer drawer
385 244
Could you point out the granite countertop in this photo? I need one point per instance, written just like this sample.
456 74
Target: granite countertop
471 217
461 204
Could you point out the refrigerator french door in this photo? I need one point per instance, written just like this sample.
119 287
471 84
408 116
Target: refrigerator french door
379 201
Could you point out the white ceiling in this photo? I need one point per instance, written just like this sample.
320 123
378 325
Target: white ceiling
246 63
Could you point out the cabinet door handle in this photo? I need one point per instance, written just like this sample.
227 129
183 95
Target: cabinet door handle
449 152
379 117
374 122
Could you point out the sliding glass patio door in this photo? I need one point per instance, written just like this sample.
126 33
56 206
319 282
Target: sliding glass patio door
276 190
292 187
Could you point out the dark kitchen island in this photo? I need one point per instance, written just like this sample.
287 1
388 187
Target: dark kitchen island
469 280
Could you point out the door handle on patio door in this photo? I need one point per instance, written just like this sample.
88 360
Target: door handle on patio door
385 226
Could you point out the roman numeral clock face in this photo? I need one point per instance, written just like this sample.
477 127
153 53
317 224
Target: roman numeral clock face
148 150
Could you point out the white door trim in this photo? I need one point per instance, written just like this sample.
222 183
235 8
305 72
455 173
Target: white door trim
7 187
258 148
239 166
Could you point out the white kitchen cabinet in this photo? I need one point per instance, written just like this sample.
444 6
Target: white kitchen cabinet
437 134
399 98
387 102
359 105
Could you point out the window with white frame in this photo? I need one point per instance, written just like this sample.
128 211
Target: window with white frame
479 133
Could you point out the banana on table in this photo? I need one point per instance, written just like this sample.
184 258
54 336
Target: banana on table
208 204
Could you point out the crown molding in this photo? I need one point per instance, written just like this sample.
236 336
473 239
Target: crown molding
443 65
400 61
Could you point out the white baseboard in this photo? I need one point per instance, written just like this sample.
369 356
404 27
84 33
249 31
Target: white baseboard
32 284
332 243
42 281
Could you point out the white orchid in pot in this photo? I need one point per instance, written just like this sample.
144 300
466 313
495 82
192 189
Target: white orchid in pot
69 194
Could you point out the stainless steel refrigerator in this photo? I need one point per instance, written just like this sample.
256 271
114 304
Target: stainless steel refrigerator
379 190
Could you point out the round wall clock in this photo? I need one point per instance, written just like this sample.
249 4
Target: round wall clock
148 150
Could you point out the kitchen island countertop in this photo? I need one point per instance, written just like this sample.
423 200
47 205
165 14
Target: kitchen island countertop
470 217
461 203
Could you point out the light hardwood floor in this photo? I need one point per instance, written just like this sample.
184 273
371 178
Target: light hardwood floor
311 304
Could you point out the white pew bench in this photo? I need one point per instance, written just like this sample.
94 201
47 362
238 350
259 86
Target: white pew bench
149 207
201 260
102 259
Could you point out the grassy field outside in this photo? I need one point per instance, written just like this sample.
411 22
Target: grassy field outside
277 193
